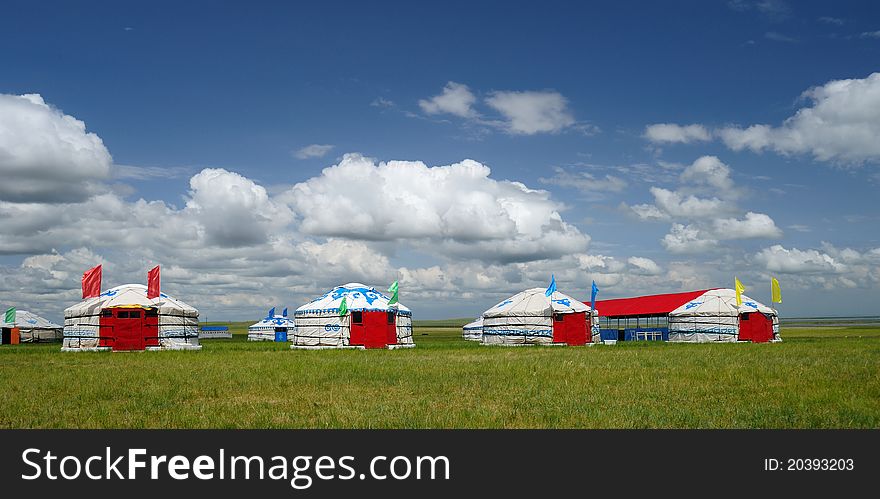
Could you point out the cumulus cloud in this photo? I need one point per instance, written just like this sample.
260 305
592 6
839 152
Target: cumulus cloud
841 124
46 155
233 210
313 151
684 239
531 112
644 265
794 261
754 225
457 206
672 133
456 99
706 198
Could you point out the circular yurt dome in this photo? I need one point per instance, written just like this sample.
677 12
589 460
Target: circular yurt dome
715 316
269 327
366 320
123 318
473 331
533 318
33 328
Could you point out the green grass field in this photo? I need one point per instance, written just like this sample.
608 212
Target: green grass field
816 378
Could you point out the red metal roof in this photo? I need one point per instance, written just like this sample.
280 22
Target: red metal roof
645 305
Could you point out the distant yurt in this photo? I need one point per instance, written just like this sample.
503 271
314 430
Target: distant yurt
708 315
533 318
273 327
366 321
124 319
473 331
34 329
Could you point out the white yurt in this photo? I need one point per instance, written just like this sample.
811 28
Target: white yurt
268 328
473 331
123 318
368 321
715 316
533 318
33 329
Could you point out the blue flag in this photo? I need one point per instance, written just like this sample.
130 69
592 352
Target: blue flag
552 287
593 296
271 313
284 313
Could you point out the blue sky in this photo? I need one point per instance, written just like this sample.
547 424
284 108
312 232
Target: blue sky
565 98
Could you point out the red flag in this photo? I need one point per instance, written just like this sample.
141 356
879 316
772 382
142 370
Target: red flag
153 283
91 282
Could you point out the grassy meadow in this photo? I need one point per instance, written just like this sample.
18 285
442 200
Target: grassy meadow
817 378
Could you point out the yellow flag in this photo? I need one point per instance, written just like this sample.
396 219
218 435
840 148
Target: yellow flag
739 290
775 292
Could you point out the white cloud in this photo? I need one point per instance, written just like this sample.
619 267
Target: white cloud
672 133
457 206
456 99
584 181
709 216
531 112
794 261
831 20
313 151
233 210
683 239
710 171
644 266
382 102
648 212
754 225
676 205
870 34
842 124
46 155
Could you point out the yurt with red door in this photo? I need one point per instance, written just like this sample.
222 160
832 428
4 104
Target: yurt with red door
708 315
534 318
715 316
352 316
124 319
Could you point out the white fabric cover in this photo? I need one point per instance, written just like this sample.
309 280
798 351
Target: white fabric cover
714 316
32 328
318 324
473 331
265 329
526 318
178 322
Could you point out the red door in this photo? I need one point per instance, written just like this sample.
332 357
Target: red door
128 330
570 328
375 329
391 328
560 334
755 327
358 331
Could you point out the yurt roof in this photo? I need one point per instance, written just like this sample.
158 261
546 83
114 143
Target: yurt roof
535 303
477 324
358 297
274 321
720 302
130 295
29 320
